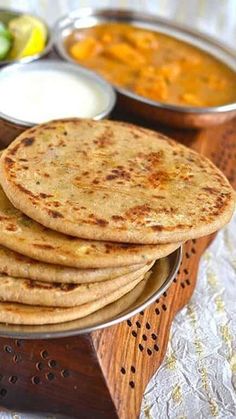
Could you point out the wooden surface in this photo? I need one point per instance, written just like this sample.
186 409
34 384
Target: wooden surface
104 374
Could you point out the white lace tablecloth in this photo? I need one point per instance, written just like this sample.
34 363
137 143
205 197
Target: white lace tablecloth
197 379
198 376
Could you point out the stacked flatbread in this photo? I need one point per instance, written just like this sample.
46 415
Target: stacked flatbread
86 208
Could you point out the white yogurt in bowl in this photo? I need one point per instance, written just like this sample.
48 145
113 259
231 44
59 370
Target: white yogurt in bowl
44 90
38 96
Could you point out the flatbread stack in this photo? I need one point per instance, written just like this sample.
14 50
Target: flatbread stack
86 208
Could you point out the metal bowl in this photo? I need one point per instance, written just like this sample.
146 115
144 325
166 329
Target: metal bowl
144 294
174 115
5 16
10 127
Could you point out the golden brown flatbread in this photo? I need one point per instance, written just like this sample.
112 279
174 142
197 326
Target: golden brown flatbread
109 180
20 266
104 309
15 313
53 294
18 232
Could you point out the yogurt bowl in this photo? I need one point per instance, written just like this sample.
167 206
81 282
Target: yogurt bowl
37 92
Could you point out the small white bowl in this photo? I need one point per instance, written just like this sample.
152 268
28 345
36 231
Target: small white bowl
11 127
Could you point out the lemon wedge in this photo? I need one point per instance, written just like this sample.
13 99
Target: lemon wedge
29 36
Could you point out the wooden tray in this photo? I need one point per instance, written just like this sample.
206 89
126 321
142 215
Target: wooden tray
104 374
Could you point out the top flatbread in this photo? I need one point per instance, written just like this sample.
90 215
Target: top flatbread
25 236
113 181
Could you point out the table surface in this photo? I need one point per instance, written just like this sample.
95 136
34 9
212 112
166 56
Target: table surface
198 375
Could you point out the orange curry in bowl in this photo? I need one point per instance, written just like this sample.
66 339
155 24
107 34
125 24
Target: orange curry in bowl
154 65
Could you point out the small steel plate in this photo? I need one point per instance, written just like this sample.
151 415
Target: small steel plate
144 294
